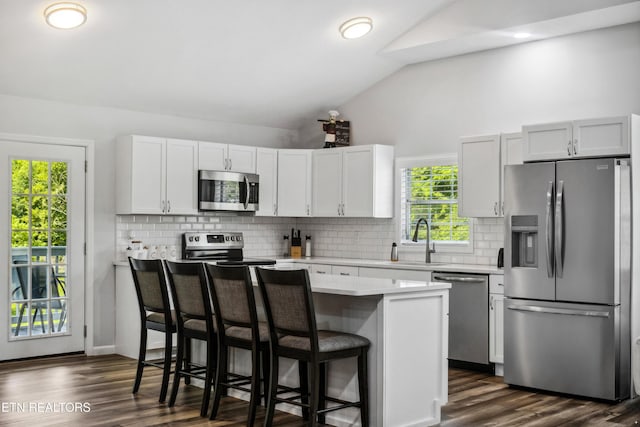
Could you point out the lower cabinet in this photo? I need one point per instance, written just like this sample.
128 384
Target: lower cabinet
496 319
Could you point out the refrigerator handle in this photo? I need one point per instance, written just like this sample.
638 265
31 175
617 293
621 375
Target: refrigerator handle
549 229
565 311
559 226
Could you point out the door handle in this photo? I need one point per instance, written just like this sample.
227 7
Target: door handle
559 225
246 183
549 230
460 279
564 311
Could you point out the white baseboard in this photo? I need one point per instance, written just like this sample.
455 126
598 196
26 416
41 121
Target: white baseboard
101 350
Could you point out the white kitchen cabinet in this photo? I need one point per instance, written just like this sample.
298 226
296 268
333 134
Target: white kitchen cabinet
156 176
353 182
267 169
479 176
294 182
510 154
575 139
226 157
496 316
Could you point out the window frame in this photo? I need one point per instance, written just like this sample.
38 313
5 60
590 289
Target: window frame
440 247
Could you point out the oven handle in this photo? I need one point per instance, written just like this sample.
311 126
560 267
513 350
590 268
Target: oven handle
246 199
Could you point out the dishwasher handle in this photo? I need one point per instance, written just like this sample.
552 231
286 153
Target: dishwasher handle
460 279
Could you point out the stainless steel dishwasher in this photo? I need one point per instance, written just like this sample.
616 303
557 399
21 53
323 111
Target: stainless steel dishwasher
468 318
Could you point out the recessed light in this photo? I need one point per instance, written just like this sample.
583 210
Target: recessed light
356 27
65 15
521 35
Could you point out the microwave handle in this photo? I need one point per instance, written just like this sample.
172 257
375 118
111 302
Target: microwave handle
246 199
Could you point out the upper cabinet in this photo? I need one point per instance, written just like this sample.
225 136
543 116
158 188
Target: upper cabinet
481 172
353 182
580 138
156 175
226 157
479 176
294 182
267 169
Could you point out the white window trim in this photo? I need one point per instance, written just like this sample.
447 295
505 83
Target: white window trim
441 248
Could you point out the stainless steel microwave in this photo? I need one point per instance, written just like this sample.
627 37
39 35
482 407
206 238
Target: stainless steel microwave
227 191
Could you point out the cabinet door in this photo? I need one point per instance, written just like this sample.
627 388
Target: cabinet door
267 169
479 176
182 177
496 328
601 137
212 156
294 182
358 182
511 147
547 141
148 156
242 158
327 182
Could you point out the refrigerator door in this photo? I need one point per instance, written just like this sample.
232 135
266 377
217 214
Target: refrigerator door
528 253
566 348
585 231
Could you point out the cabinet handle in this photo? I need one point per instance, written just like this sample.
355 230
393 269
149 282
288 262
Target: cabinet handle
575 147
308 210
569 148
495 208
343 209
163 206
168 206
338 209
345 274
491 302
502 209
230 164
320 272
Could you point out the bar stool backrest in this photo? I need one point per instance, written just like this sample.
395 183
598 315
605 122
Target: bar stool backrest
288 304
189 289
151 286
232 294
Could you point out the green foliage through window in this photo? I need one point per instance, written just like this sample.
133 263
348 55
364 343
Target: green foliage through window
431 192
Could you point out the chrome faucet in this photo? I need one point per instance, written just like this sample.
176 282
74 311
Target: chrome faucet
415 239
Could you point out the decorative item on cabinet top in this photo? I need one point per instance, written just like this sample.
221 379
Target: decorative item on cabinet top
336 131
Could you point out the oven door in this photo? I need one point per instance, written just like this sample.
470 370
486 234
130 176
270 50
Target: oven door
227 191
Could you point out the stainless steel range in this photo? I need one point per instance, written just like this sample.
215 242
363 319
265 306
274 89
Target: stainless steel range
223 247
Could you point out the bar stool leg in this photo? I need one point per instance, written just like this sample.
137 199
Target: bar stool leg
255 386
314 392
273 387
221 375
303 372
166 370
266 363
141 356
363 385
322 402
179 369
187 357
208 378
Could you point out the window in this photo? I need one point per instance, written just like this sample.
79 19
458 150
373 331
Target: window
429 190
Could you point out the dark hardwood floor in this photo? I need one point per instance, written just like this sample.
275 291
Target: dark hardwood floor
478 399
104 384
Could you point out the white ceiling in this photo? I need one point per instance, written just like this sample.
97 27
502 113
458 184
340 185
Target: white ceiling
277 63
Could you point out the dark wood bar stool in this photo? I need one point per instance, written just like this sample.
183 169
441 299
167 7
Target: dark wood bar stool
235 310
194 320
294 334
155 314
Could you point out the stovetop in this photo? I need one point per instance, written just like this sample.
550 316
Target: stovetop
223 247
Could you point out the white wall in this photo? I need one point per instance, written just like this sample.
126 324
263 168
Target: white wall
424 108
103 125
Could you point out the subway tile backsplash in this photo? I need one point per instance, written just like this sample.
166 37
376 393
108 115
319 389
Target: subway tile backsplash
369 238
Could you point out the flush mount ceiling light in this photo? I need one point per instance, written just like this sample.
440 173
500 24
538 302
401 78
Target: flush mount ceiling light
356 27
65 15
521 35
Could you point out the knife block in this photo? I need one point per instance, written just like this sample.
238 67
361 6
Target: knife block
296 251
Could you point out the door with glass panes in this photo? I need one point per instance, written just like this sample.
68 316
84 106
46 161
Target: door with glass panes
42 190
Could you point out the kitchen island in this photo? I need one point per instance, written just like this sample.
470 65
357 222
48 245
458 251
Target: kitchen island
407 324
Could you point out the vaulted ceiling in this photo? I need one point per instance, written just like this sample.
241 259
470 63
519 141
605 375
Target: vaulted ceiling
276 63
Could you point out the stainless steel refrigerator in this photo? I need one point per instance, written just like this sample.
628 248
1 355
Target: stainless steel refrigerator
567 277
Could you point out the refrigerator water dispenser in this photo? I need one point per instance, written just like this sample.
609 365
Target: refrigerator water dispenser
524 241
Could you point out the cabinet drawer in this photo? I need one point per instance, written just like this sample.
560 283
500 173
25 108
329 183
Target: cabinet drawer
496 284
397 274
344 270
320 268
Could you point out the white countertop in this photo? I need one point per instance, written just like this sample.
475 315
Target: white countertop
399 265
366 286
